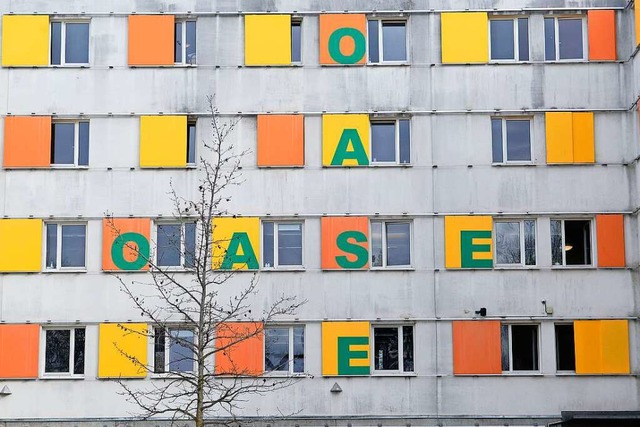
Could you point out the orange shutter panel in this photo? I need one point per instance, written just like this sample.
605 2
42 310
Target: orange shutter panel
476 347
331 228
151 39
280 140
19 351
239 348
27 142
610 235
602 35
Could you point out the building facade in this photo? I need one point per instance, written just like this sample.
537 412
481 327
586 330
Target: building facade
452 186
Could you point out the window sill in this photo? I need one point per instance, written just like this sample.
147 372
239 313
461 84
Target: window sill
67 66
389 64
383 374
567 61
172 269
61 377
282 270
510 164
390 165
508 62
167 375
522 374
69 167
282 374
573 267
392 268
65 270
516 267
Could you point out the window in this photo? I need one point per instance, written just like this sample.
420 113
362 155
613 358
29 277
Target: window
519 347
284 349
69 43
185 47
393 348
565 347
511 139
70 144
565 38
191 143
387 41
513 239
179 348
176 244
390 244
65 246
296 40
509 39
571 242
390 142
282 244
64 351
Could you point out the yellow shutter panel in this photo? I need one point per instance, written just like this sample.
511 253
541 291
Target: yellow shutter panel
602 346
583 138
559 135
163 141
267 40
25 40
464 37
20 245
122 350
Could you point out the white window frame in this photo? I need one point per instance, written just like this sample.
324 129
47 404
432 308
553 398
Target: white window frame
58 266
511 371
381 21
276 265
167 350
72 338
504 120
289 371
63 42
396 124
592 237
555 343
76 144
522 263
298 21
384 266
516 38
194 123
182 243
183 22
585 37
395 372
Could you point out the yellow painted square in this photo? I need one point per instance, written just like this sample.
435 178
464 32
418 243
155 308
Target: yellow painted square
223 232
163 141
267 40
453 225
559 135
583 138
20 245
122 350
465 37
25 40
602 346
331 331
333 125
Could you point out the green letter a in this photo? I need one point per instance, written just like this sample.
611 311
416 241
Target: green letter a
343 153
240 240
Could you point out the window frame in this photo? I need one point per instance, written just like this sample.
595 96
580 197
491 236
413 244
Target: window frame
393 372
522 264
585 37
59 267
296 21
76 143
167 350
192 122
290 363
396 123
181 223
555 342
592 238
505 141
43 352
63 41
184 62
384 265
516 38
511 371
381 21
276 223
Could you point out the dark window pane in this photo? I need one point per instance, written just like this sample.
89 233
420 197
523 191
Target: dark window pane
189 244
376 244
496 140
276 349
374 52
398 243
518 140
565 349
52 245
385 348
268 244
570 37
181 351
298 349
178 45
524 344
556 242
83 142
507 242
407 348
504 345
523 39
56 42
78 351
57 350
191 143
73 245
158 351
549 39
577 242
290 244
76 43
191 42
383 141
296 42
502 43
394 41
63 141
405 141
530 243
169 245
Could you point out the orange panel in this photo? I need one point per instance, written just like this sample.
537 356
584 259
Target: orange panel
240 348
602 35
331 229
331 22
280 140
27 142
610 235
151 39
476 347
114 227
19 351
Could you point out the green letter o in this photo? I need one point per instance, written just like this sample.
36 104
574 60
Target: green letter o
117 249
358 39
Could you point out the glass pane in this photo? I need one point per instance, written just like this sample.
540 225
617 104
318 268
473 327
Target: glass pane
518 140
78 351
570 36
376 244
178 46
63 140
407 348
276 349
191 42
57 350
52 245
268 244
83 142
398 243
189 244
577 242
56 42
496 140
383 141
524 341
298 349
191 143
181 351
394 41
168 253
502 43
507 242
76 43
530 243
73 245
556 242
374 53
296 42
289 244
158 351
385 350
523 39
565 348
405 141
549 39
504 345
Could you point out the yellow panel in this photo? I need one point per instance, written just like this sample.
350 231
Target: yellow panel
163 141
465 37
232 230
453 225
330 333
333 127
25 40
267 40
20 245
637 15
588 343
559 134
122 350
602 346
583 138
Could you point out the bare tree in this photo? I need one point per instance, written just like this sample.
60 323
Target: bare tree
195 309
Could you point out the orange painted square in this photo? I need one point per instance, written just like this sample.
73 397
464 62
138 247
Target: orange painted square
476 347
610 235
332 227
27 142
331 22
602 35
280 140
112 228
19 351
240 348
151 40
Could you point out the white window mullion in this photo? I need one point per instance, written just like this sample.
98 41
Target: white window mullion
72 345
275 245
76 143
510 349
58 246
63 38
291 345
380 44
504 140
400 352
397 140
516 39
167 349
557 37
383 241
563 246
